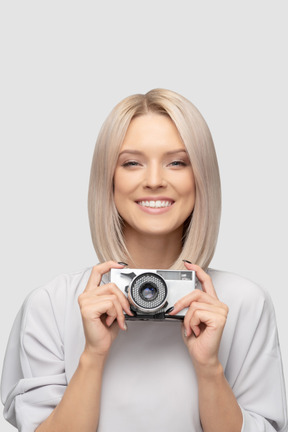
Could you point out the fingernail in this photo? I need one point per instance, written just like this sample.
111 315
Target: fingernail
189 262
185 333
122 263
125 326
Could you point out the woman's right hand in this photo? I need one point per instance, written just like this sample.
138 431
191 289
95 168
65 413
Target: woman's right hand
102 310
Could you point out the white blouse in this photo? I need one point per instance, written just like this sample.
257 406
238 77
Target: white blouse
149 383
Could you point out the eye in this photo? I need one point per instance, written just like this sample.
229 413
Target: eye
131 163
178 163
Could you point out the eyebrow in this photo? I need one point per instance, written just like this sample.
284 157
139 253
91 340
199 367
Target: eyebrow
137 152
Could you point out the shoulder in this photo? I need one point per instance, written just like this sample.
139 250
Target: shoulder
234 289
55 295
63 285
251 319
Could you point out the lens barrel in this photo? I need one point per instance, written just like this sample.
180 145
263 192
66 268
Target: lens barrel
148 292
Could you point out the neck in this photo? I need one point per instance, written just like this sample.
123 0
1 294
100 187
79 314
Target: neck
153 252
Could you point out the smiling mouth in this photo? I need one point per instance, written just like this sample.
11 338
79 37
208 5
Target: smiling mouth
155 204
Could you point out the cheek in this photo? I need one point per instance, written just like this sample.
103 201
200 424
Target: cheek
126 182
187 185
118 198
121 191
118 184
189 194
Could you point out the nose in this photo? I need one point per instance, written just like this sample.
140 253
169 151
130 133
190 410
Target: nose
154 177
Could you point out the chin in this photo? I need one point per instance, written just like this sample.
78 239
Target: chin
161 231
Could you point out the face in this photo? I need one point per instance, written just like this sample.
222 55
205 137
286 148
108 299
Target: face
154 188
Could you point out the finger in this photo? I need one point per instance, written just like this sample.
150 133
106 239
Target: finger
219 308
204 279
214 322
195 295
113 289
111 320
190 327
195 307
98 271
115 311
106 306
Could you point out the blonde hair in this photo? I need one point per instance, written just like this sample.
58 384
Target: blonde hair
201 230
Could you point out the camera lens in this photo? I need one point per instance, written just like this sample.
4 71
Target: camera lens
148 291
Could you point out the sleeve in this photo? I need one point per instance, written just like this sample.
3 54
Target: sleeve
33 378
259 386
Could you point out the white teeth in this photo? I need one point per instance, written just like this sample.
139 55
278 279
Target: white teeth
153 204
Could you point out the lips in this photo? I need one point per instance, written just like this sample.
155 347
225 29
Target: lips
155 203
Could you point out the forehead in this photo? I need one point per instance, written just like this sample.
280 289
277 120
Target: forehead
152 129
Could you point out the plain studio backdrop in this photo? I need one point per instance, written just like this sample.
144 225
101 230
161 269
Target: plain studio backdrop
64 65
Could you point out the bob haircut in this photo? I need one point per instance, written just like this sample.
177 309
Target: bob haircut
201 228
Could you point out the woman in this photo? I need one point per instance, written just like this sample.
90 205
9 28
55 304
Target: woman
154 203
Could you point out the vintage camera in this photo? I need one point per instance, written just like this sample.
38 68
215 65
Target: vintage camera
152 293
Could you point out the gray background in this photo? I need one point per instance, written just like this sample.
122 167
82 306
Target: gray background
64 65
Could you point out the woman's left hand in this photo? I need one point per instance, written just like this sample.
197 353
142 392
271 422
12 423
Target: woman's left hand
204 321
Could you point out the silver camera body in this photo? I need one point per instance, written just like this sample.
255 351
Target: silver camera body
152 293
